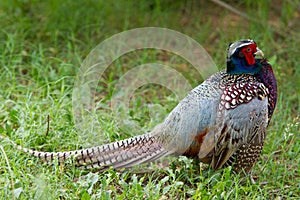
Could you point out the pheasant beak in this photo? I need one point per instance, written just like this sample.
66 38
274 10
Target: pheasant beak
259 52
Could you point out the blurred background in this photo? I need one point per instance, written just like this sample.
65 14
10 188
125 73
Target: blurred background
64 32
43 44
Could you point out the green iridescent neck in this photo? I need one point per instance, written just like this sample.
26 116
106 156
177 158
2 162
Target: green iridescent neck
239 66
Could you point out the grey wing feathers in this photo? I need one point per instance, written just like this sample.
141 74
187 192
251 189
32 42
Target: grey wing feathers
239 127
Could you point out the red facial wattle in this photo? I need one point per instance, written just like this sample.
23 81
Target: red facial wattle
248 51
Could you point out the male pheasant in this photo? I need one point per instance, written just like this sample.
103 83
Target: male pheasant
223 121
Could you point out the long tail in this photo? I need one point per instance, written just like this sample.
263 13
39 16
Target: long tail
119 154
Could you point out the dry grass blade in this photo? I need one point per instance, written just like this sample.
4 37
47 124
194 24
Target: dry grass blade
243 15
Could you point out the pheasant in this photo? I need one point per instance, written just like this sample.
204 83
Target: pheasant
222 121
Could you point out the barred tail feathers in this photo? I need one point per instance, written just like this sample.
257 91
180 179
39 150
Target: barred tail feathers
119 154
46 156
124 153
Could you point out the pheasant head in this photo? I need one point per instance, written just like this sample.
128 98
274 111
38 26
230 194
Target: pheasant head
241 57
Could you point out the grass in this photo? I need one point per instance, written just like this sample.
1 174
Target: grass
42 47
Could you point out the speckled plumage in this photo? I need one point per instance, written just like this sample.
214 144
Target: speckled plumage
223 121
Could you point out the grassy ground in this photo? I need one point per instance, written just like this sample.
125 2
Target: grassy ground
42 47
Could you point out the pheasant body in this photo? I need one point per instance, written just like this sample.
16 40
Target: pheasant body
223 121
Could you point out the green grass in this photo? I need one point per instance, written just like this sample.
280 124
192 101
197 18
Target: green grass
42 46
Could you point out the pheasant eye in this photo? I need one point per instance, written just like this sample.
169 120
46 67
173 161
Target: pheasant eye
248 49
